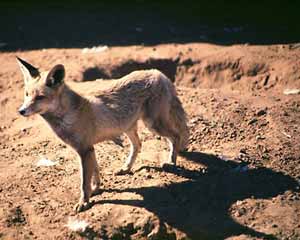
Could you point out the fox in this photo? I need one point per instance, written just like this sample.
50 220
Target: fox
83 121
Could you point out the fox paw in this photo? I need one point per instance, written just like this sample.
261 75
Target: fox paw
123 171
82 206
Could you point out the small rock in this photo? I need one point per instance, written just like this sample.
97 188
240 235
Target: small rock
240 212
243 151
286 114
266 80
259 137
148 176
253 120
261 112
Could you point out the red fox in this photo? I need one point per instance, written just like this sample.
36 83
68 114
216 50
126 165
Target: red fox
82 121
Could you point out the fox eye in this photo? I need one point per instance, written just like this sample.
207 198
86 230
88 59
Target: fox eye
26 94
39 97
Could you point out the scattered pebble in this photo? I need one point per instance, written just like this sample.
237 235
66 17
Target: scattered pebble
292 91
259 137
240 212
261 112
253 120
243 151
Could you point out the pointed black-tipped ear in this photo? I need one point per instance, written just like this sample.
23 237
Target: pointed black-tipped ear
55 76
27 69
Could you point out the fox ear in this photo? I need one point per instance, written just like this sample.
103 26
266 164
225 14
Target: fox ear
55 76
27 69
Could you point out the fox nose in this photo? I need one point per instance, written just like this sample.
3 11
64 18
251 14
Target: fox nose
22 111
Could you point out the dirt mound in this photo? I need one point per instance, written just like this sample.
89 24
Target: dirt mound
236 68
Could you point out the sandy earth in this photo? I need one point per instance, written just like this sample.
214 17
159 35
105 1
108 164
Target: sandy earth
239 178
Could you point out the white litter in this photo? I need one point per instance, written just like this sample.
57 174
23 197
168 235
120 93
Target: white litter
287 135
95 49
291 91
77 225
46 162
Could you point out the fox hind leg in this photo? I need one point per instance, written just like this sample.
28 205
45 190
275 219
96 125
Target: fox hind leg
162 127
135 147
173 140
173 146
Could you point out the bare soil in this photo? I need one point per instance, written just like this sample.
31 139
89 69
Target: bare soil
239 178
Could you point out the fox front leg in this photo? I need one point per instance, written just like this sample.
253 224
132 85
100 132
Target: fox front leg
88 167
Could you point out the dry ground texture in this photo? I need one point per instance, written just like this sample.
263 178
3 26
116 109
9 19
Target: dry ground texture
239 178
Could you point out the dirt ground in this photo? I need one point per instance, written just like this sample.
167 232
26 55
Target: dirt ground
239 179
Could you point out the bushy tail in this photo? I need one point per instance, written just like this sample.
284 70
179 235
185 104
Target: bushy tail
179 119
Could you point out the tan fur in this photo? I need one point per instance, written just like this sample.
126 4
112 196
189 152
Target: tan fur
82 121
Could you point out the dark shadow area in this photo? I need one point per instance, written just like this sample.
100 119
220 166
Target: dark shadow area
34 24
167 66
200 206
93 73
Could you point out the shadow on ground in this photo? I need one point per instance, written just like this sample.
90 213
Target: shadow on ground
167 66
200 206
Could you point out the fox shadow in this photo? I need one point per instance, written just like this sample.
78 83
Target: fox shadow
199 206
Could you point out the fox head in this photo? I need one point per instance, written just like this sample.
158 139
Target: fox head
41 89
